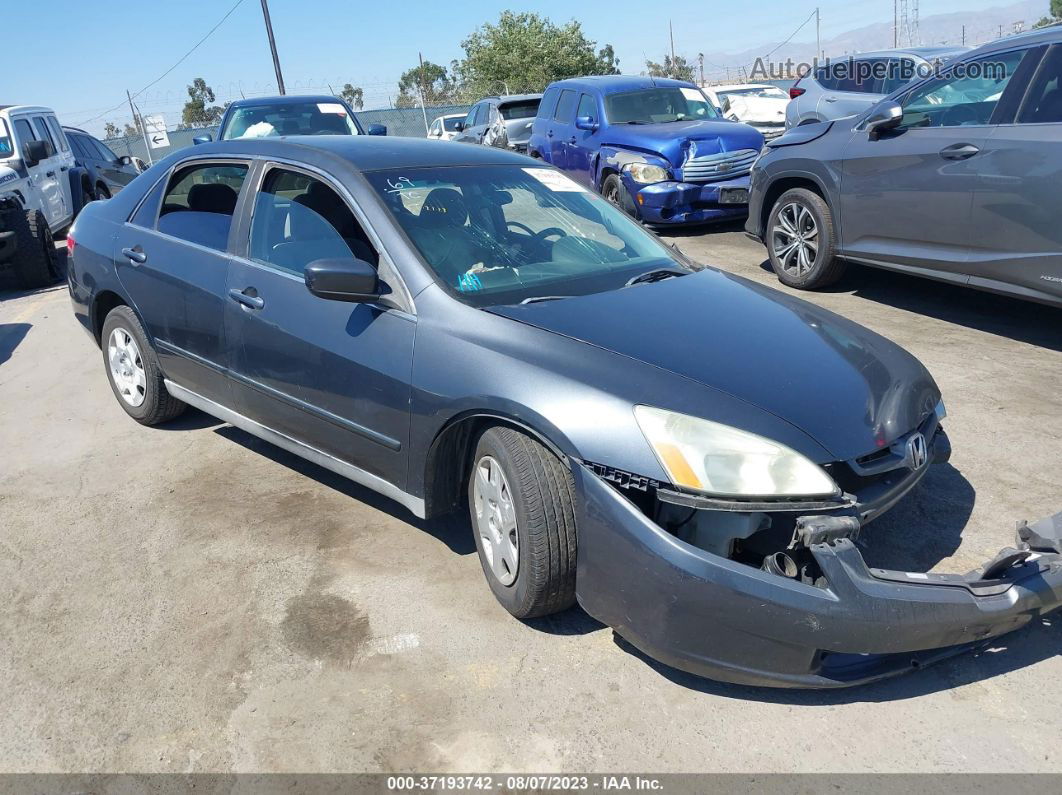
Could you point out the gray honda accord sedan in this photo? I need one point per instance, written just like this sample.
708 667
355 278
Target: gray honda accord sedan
686 455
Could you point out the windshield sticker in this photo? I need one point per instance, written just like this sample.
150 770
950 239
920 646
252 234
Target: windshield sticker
554 180
692 93
403 186
469 282
331 107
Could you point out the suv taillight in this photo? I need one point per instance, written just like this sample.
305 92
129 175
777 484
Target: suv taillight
795 92
70 243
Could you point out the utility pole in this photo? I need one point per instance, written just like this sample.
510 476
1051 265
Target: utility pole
671 33
818 42
273 46
138 121
895 24
423 110
963 35
700 62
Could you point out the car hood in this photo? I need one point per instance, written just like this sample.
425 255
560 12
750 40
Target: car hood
849 389
672 140
761 110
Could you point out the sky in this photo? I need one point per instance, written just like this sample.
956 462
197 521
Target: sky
128 45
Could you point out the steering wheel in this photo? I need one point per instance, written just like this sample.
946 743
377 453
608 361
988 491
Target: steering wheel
958 115
549 231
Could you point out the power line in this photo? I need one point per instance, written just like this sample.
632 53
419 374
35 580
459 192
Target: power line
181 60
794 33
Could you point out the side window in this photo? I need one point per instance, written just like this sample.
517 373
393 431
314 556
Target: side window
565 106
587 107
43 133
470 119
548 104
824 77
149 208
57 133
860 77
966 96
104 151
298 219
23 131
199 203
434 128
900 72
1043 103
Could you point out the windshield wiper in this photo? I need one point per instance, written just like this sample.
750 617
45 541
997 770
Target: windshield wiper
655 275
539 298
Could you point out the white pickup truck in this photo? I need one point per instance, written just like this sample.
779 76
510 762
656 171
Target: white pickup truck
41 191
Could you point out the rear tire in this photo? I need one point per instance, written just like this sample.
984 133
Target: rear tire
521 500
801 241
36 262
102 192
133 370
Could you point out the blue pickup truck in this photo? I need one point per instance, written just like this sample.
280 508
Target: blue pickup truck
655 147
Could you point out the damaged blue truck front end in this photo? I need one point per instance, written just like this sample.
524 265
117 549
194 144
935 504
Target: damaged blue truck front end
653 146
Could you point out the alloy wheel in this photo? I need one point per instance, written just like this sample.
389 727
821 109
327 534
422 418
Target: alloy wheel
127 367
795 239
496 520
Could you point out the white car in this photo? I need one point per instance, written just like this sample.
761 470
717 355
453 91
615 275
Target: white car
444 128
41 191
759 105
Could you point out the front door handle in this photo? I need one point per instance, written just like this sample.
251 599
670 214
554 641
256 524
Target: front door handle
549 133
959 151
49 173
248 297
571 140
830 99
135 254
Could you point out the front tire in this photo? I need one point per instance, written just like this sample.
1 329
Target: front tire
133 370
521 500
102 193
801 241
616 194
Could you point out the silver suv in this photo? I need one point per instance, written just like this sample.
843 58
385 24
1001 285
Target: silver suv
845 87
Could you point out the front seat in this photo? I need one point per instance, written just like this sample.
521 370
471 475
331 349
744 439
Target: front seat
439 233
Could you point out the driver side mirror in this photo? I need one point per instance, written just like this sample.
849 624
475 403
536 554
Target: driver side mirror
125 160
34 152
586 123
886 116
376 129
343 279
459 127
202 139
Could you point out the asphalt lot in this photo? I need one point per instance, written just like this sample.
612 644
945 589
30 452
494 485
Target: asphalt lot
188 598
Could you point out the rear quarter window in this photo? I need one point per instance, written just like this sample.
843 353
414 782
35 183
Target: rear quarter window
548 103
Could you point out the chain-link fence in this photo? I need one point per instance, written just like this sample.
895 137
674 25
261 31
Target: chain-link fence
404 122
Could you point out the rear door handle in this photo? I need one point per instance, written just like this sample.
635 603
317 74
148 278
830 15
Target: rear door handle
136 254
830 99
243 297
571 140
959 151
549 133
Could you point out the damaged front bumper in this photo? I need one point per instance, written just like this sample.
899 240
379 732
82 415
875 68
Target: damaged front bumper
725 620
674 202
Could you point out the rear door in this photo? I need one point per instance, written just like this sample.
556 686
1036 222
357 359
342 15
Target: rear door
856 86
331 374
1016 233
172 258
906 195
475 124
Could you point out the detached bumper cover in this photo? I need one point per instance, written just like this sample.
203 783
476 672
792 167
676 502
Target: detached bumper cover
685 202
728 621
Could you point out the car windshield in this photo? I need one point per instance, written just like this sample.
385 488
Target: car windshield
519 110
310 118
655 105
451 124
7 148
504 234
769 92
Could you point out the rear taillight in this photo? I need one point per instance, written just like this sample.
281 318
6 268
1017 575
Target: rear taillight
70 243
795 92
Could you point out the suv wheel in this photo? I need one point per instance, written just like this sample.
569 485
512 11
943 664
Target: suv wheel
37 264
133 370
614 192
102 192
520 498
801 241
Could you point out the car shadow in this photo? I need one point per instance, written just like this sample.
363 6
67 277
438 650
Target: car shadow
191 419
11 336
1028 646
452 530
699 230
9 287
1000 315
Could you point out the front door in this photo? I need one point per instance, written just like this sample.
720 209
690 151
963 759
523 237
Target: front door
1017 237
172 258
330 374
581 145
561 129
906 195
44 175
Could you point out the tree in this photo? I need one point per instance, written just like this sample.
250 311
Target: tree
132 130
438 86
1056 8
353 96
525 52
679 69
111 130
196 113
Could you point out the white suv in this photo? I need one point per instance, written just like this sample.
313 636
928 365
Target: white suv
40 191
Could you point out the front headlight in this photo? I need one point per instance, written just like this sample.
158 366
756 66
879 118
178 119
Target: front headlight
722 461
644 173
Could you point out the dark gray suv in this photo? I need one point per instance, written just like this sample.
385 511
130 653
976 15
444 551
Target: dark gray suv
954 177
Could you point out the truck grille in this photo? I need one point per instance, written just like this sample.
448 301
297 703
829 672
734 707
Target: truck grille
725 165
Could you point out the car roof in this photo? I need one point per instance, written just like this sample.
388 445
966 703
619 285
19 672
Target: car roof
1048 34
283 99
925 53
739 86
518 98
364 152
26 109
614 84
